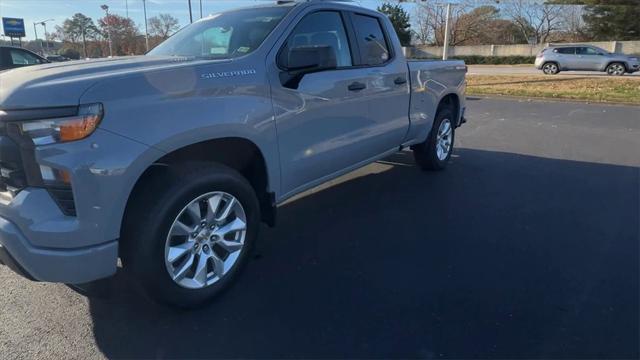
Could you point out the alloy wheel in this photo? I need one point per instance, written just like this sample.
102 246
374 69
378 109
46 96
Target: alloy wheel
616 69
205 240
444 139
550 68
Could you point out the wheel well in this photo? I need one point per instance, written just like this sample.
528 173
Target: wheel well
237 153
452 102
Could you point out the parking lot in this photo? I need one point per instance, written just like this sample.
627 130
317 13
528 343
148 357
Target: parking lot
526 246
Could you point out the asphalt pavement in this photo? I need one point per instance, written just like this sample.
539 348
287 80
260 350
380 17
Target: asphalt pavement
527 246
531 70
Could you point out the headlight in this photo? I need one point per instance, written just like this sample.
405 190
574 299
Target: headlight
49 131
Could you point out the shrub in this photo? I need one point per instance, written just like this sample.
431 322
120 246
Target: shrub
494 60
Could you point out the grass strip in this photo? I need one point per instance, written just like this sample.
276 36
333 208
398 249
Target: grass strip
596 89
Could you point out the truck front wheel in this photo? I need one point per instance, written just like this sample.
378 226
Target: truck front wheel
435 152
190 233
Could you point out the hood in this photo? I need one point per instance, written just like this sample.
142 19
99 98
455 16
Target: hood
62 84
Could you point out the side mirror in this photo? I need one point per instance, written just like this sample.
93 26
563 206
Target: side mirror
601 54
308 59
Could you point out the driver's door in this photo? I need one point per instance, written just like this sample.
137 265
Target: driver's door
323 123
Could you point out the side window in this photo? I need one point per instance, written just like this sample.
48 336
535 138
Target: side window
566 51
586 51
373 45
19 57
320 28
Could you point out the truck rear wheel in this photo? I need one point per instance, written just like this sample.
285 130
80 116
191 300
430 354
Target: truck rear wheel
435 152
191 233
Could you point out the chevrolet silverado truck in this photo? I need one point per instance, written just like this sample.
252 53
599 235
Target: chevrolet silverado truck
166 164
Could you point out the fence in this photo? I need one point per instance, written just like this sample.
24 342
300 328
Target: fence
627 47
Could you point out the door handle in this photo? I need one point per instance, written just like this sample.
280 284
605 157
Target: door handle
400 80
357 86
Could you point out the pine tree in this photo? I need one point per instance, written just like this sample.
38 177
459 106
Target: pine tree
400 20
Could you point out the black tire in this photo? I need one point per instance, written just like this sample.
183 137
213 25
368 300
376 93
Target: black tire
426 153
550 68
150 219
616 69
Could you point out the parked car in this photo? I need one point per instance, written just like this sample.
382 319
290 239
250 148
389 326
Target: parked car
171 160
554 59
14 57
57 58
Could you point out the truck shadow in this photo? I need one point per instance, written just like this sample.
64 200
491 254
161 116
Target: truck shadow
502 255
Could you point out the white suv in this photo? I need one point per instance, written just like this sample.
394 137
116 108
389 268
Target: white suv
554 59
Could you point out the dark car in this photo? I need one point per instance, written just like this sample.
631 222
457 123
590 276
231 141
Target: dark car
57 58
13 57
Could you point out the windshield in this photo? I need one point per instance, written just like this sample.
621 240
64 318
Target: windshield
225 35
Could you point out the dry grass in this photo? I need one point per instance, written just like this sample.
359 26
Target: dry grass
597 89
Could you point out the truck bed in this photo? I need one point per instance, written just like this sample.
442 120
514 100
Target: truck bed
431 80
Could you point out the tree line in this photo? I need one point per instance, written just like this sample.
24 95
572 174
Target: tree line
483 22
81 37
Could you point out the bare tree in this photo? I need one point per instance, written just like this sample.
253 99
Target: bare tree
163 25
573 25
536 20
422 32
467 24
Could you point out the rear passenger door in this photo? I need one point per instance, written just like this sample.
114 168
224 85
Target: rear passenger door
566 57
387 89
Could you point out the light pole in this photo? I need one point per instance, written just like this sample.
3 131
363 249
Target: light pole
146 30
200 9
35 30
190 13
445 49
107 22
46 37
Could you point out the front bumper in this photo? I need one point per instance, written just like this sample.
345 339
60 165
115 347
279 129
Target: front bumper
72 266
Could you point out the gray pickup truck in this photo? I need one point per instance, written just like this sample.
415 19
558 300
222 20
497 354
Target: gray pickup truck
169 162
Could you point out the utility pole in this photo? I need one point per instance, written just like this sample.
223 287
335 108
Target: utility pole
46 37
190 13
445 49
126 6
146 30
108 22
35 30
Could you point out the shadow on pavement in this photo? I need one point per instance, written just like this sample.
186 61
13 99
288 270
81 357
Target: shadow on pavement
501 255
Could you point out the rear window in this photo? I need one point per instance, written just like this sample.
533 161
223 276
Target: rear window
374 48
20 57
568 50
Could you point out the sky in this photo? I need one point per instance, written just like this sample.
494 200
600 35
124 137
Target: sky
59 10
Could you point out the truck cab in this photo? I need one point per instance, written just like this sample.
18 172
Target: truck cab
168 162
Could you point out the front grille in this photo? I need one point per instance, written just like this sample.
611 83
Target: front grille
12 177
18 169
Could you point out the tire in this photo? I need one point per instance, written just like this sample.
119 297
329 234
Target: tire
616 69
149 251
427 154
550 68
